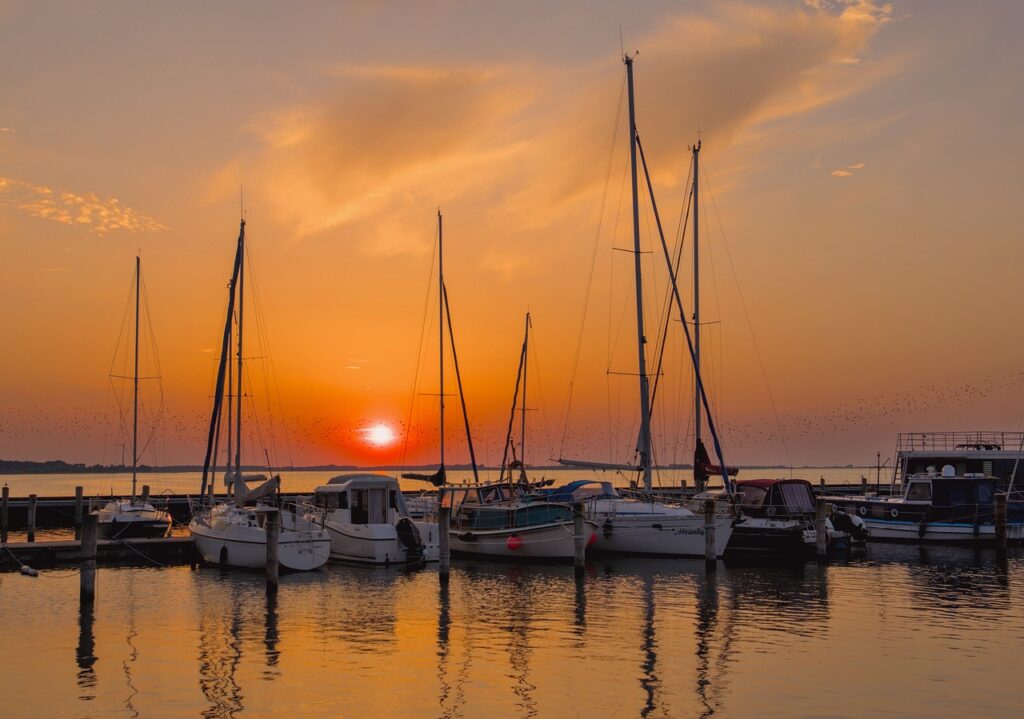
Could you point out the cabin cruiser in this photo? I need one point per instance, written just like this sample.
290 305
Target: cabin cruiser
778 516
639 526
132 519
367 520
936 506
499 521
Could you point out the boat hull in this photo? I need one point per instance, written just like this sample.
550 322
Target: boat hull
543 542
959 533
659 535
246 547
371 544
134 528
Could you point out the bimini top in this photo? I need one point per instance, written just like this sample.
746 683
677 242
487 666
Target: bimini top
766 483
364 480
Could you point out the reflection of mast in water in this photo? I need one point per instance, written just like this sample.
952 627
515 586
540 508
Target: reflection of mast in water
519 646
85 655
133 652
649 677
218 661
580 622
270 637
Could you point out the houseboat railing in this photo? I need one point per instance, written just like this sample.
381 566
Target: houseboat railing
952 441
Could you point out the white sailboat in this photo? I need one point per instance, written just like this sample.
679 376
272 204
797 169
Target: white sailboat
133 517
643 525
234 532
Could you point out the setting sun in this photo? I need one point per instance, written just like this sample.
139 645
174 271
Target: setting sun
379 435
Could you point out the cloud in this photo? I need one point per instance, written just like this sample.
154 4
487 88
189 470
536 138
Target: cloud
849 170
527 147
99 215
6 130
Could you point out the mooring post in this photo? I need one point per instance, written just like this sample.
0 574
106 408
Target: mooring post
1000 511
145 493
273 529
90 534
580 536
31 517
820 527
710 541
3 513
78 514
821 485
863 485
444 552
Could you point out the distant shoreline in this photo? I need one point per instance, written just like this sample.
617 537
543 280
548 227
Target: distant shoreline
61 467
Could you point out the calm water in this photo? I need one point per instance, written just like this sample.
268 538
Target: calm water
894 631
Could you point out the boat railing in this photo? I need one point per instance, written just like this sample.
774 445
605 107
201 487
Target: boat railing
952 441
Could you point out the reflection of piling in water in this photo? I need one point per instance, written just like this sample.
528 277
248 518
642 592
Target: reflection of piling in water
444 622
707 621
270 635
90 534
648 676
581 601
85 652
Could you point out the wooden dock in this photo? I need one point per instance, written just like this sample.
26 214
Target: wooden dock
155 552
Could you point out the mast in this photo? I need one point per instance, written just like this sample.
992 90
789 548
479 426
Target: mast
135 400
522 441
644 443
241 296
696 293
440 326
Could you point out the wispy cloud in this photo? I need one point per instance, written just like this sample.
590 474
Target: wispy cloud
6 130
98 215
849 170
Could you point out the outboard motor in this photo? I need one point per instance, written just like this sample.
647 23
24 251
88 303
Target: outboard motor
409 536
851 524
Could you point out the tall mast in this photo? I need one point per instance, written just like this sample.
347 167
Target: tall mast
135 400
440 325
696 293
644 444
522 441
238 394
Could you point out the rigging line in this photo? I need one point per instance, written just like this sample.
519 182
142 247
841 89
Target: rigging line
458 379
419 352
593 263
750 327
715 378
263 341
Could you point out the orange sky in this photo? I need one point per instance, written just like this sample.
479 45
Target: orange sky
860 189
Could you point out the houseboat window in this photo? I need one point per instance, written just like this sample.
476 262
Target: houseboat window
985 493
919 491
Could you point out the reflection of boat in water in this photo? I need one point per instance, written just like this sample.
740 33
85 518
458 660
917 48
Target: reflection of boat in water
234 532
367 520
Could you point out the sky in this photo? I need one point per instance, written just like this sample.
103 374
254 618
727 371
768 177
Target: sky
858 246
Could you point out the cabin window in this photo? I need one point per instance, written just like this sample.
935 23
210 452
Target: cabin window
919 491
986 493
331 500
797 497
392 500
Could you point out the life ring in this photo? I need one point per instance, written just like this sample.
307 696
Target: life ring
894 513
862 510
770 511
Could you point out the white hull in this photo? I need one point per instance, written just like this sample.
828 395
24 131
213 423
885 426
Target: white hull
547 541
431 540
895 531
674 536
246 546
376 543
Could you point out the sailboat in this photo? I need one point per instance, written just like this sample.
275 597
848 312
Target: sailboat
499 519
133 517
643 525
234 532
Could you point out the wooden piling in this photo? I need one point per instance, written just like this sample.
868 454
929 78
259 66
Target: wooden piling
863 485
145 493
31 518
3 513
710 543
90 535
580 535
273 529
821 485
1000 512
444 553
78 514
821 528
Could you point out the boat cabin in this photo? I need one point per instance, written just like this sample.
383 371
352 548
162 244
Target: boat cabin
581 490
361 499
775 497
497 507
